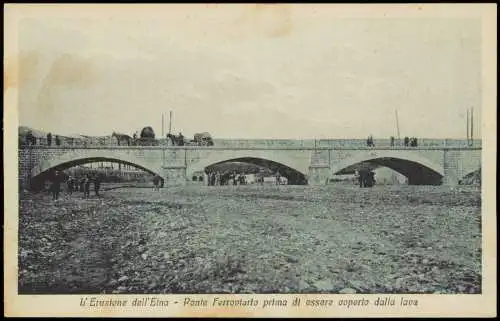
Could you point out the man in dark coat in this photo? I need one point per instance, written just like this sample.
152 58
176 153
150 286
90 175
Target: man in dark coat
97 184
70 183
156 182
55 188
180 139
86 186
361 177
406 140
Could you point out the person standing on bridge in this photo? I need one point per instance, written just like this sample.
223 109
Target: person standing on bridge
180 140
392 141
406 141
49 139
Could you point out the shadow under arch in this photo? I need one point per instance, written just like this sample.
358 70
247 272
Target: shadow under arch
416 172
293 176
37 181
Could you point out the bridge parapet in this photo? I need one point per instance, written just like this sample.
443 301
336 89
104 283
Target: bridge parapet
93 142
424 142
277 148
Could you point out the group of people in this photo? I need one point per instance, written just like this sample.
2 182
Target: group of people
408 141
31 139
234 178
366 178
218 178
370 142
49 140
75 184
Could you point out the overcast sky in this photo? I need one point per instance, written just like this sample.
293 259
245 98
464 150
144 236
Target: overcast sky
250 72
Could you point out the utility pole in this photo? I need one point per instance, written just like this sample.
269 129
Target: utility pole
397 126
472 126
170 123
468 140
162 125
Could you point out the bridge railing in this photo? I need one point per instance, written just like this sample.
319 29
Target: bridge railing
398 143
69 142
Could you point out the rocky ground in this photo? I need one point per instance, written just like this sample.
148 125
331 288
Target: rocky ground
253 239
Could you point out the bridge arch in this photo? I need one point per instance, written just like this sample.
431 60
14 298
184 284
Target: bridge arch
419 170
74 158
471 175
294 169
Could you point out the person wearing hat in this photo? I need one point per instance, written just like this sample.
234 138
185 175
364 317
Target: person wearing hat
55 188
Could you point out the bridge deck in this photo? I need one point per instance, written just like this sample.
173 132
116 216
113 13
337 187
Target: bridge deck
251 148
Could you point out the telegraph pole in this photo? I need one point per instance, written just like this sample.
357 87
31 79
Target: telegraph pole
397 126
468 140
472 126
170 123
162 125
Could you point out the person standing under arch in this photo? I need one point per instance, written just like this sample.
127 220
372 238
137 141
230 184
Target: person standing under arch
156 182
97 184
86 186
70 182
55 188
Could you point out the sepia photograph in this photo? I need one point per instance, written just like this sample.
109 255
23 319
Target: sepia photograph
247 149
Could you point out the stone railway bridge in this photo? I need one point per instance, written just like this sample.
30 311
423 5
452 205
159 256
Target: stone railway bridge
304 164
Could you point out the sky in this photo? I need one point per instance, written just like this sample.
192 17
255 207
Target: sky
250 71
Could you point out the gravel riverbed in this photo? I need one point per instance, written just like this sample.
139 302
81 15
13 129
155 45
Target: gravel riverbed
253 239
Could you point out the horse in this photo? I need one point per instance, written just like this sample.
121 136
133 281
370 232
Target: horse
122 138
177 140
